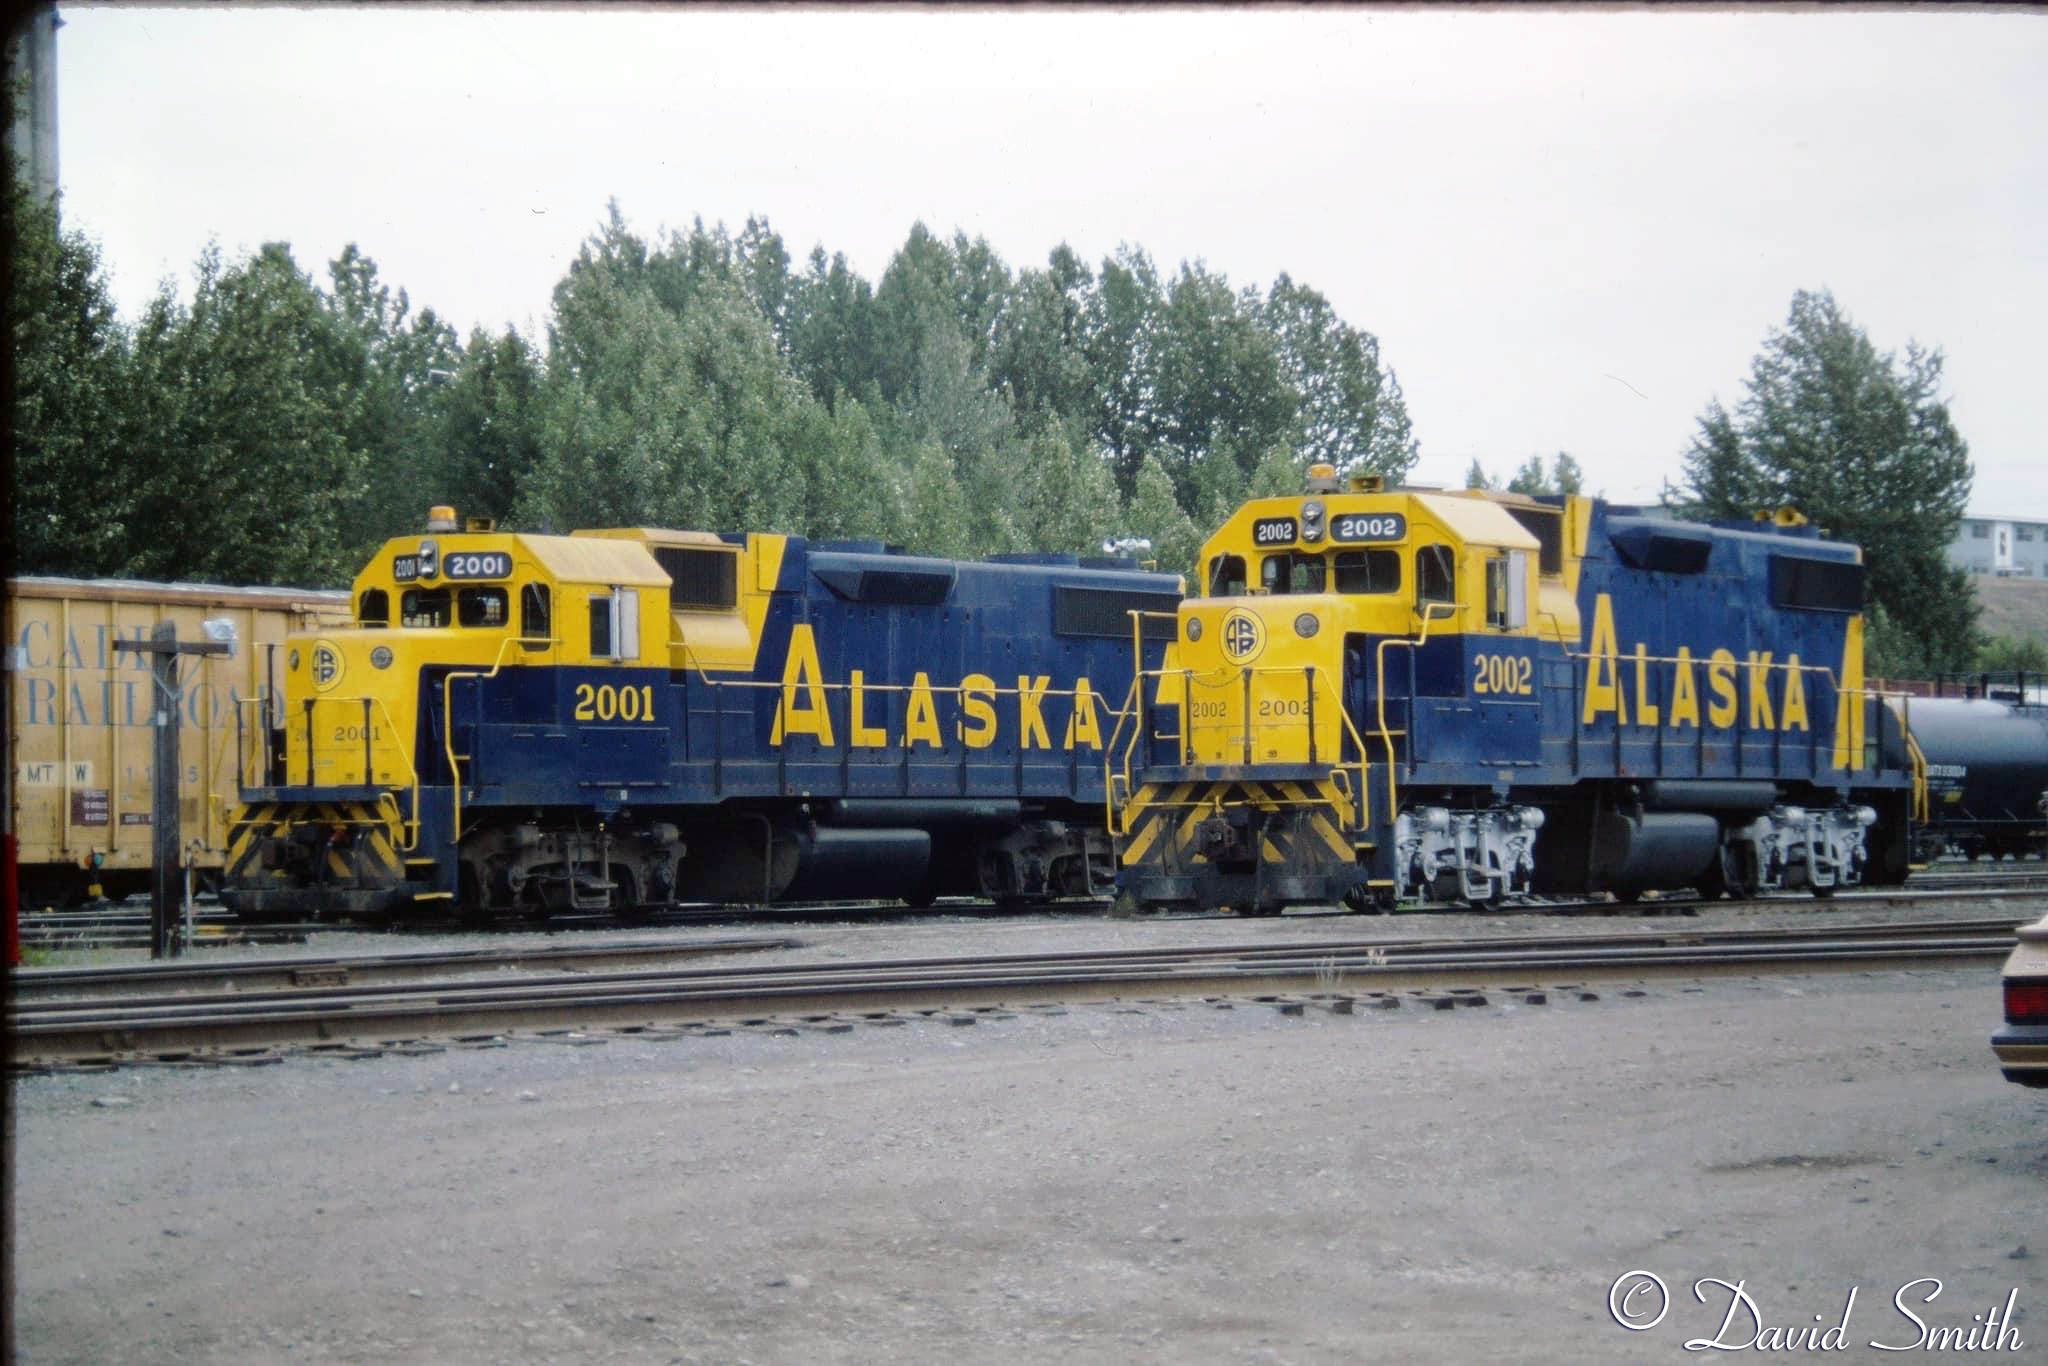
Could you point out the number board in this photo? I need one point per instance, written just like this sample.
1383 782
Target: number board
1274 531
405 568
477 564
1351 528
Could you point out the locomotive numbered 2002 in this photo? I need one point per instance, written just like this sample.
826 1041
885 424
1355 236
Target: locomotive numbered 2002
1384 694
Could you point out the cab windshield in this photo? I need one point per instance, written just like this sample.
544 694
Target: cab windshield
433 607
1342 571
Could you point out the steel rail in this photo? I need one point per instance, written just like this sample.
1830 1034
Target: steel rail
79 1030
178 978
175 983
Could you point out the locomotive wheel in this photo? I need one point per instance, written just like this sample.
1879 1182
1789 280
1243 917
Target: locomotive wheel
1733 874
1823 893
1370 900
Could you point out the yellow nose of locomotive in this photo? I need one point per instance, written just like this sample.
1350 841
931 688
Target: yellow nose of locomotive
1260 679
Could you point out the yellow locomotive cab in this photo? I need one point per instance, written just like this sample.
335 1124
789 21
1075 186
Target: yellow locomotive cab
1277 757
363 716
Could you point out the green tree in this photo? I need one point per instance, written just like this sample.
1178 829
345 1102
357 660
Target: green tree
2010 654
1119 337
1217 388
1066 499
238 398
850 488
386 371
935 509
1564 476
70 422
1036 356
831 330
1349 409
1476 476
490 417
1153 512
1862 443
657 419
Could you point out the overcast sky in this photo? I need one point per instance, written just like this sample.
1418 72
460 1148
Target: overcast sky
1569 230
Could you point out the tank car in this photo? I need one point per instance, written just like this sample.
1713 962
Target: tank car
1383 694
623 718
1987 775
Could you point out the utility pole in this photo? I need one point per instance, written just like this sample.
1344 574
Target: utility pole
166 882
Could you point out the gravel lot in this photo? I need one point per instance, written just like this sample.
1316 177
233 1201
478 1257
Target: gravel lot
1145 1183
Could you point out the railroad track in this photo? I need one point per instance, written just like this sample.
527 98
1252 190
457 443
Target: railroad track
348 1016
172 980
120 926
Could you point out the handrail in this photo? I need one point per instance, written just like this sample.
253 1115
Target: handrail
410 839
1136 710
1230 676
1380 691
410 829
1842 695
448 724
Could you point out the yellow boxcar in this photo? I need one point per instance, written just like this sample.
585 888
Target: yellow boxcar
80 740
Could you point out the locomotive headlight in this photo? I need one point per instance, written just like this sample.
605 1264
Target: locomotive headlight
381 657
1307 625
1194 628
1312 521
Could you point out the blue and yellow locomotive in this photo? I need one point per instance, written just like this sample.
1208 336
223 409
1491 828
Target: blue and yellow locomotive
1385 694
631 718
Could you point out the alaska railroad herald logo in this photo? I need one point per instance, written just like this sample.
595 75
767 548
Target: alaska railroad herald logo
327 666
1244 635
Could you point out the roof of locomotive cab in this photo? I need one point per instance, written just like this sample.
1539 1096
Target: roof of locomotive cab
655 535
596 559
566 559
1477 521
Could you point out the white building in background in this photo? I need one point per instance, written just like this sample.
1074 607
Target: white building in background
2010 547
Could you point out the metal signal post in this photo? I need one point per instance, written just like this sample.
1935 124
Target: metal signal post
165 885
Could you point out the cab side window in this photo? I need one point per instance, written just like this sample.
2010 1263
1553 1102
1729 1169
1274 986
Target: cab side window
1436 578
375 608
535 627
615 624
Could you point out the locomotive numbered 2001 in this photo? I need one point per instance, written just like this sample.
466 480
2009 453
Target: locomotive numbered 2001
519 723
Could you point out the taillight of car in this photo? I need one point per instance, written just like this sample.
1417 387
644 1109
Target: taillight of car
2026 1003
